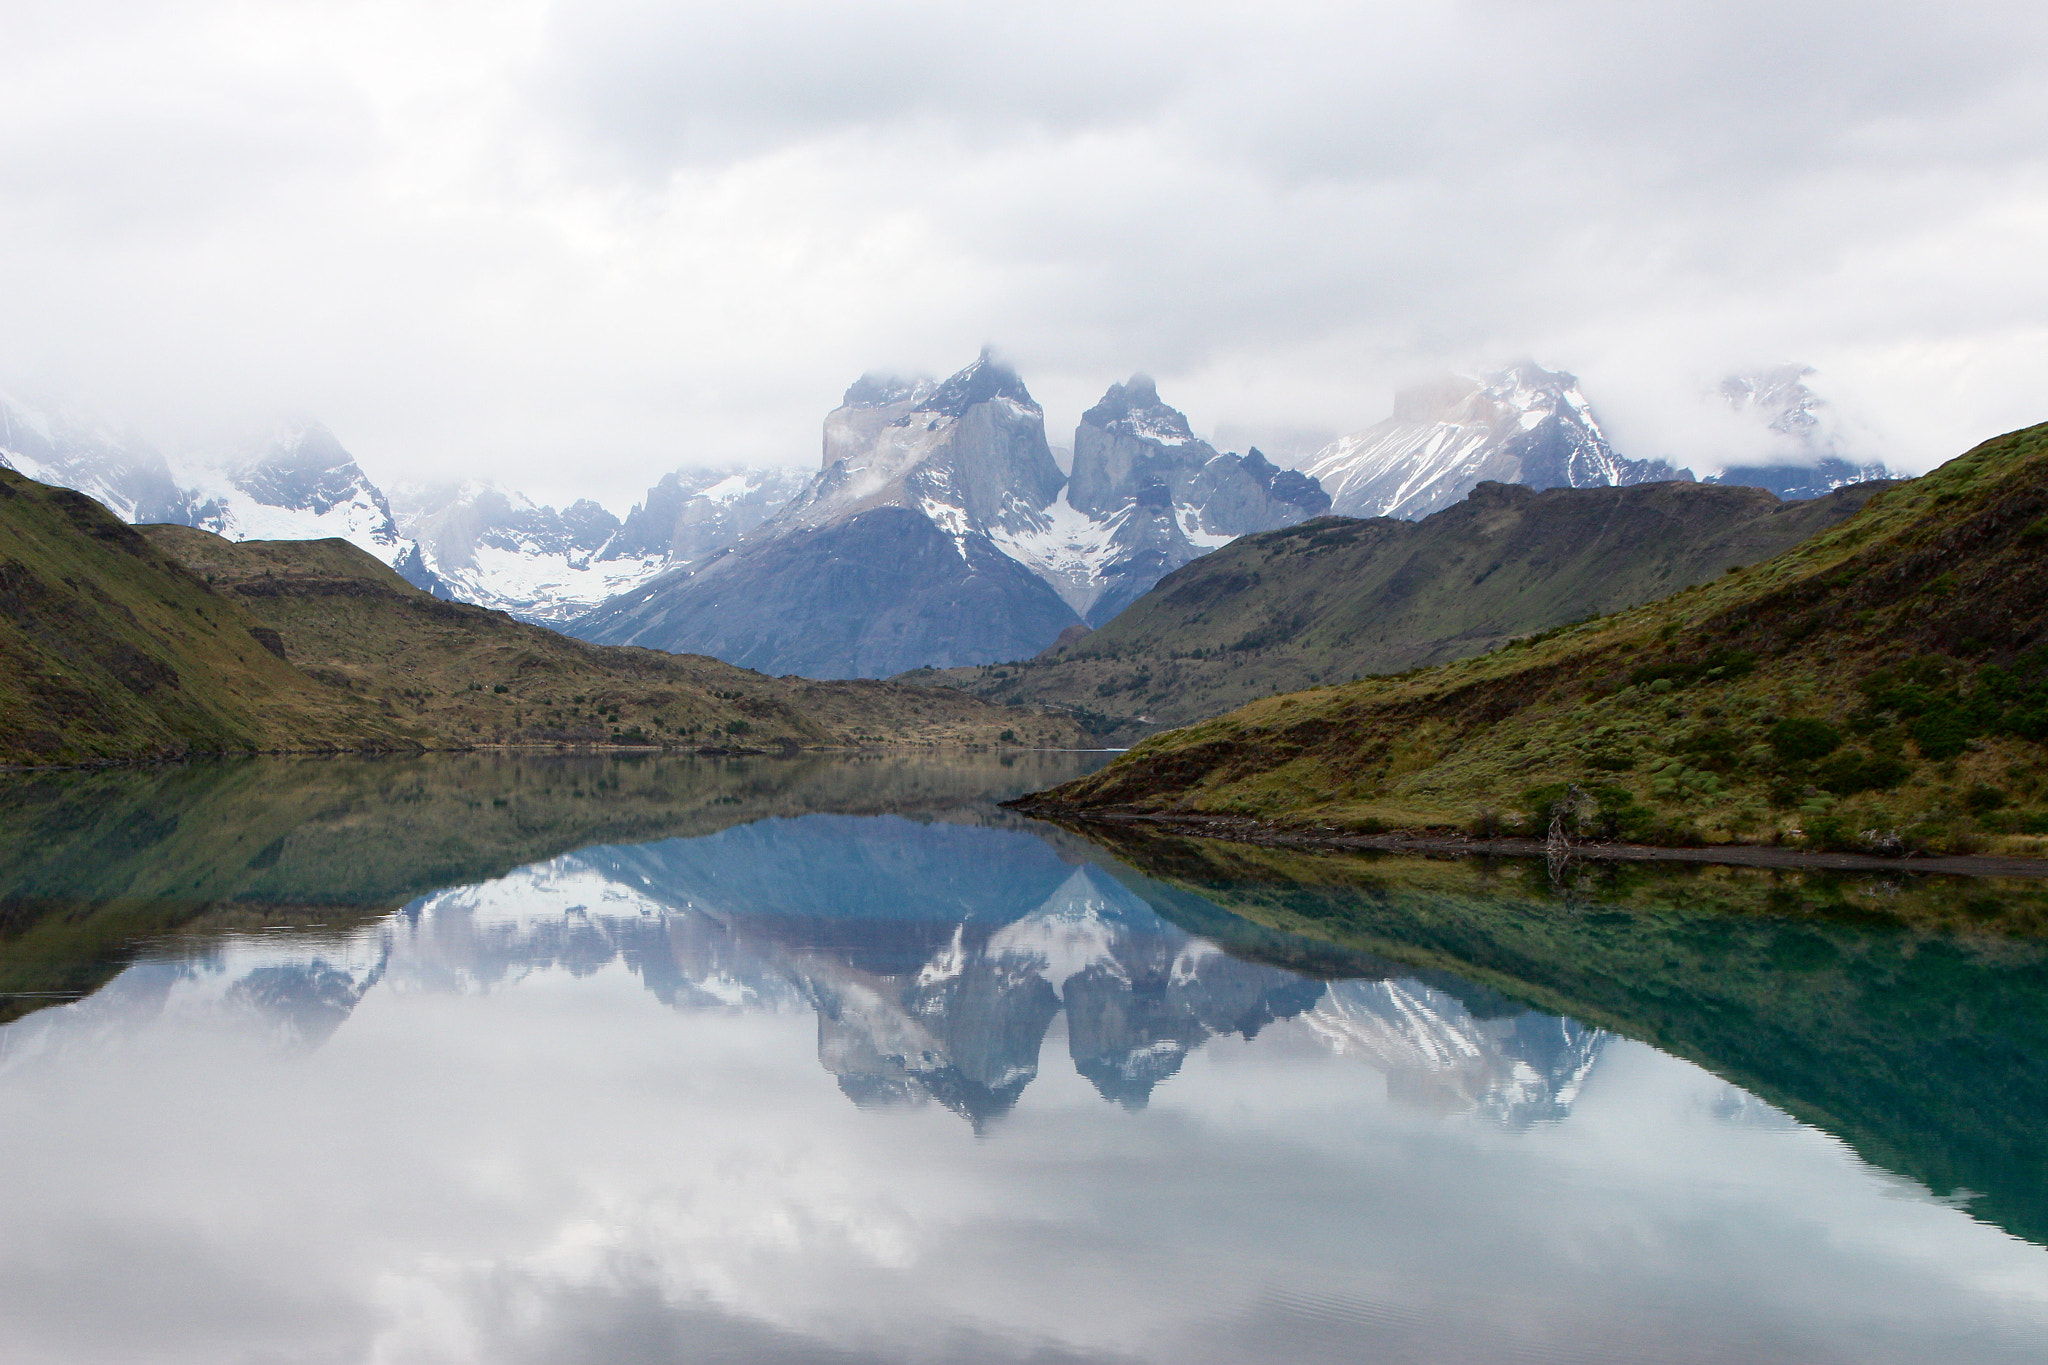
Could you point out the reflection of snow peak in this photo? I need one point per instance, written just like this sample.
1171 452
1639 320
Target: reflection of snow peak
1065 937
961 1020
1519 1068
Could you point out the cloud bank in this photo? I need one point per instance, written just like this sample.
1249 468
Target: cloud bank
570 245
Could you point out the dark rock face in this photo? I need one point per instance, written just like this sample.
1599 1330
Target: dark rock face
1133 449
879 593
1169 495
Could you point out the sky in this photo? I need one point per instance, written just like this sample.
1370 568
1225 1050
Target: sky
569 246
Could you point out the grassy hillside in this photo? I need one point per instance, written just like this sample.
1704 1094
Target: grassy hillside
464 675
1908 1017
110 649
119 644
1882 686
1336 599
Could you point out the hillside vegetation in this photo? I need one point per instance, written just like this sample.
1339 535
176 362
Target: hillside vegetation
467 675
110 649
119 644
1882 686
1335 599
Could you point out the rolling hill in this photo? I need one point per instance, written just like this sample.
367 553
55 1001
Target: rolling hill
118 644
1882 686
1332 600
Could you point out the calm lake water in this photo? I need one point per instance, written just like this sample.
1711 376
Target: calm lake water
833 1060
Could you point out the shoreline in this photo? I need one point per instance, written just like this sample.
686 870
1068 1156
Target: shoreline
417 751
1243 829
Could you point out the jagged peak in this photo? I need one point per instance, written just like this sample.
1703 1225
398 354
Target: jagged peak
1135 407
986 379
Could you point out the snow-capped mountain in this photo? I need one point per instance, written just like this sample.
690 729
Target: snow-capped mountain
304 486
501 549
939 530
470 541
1146 496
1524 424
922 994
118 469
1808 448
301 485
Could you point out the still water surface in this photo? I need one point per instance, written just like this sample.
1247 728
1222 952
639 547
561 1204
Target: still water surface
836 1061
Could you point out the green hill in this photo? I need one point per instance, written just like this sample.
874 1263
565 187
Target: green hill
466 675
1883 685
119 644
110 649
1336 599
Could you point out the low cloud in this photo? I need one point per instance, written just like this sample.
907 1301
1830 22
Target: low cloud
615 237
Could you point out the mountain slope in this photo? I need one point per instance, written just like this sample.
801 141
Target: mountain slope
1524 424
110 649
1146 496
1883 685
1332 599
459 675
502 550
939 531
886 560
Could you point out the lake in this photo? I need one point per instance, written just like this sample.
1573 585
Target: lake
833 1059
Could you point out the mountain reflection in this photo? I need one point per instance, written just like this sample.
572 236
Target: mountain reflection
936 958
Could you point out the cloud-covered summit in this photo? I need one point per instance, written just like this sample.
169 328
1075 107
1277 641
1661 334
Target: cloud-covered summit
523 240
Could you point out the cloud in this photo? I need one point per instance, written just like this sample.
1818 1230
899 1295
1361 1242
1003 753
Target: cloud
480 238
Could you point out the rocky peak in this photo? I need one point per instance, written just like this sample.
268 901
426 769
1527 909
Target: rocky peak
1134 409
1805 459
308 468
986 379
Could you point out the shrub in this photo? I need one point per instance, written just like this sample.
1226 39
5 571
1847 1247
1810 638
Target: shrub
1984 799
1847 774
1798 740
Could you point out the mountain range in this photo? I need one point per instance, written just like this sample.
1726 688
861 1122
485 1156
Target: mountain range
1334 599
118 643
939 529
469 541
1881 687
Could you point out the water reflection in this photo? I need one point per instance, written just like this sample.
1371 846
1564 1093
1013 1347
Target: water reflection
748 1077
934 957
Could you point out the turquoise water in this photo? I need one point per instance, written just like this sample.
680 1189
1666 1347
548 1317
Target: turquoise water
485 1060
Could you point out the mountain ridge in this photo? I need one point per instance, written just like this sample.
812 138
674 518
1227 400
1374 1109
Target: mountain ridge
1882 686
1333 599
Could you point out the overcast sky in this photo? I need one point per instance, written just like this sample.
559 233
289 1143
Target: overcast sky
570 245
